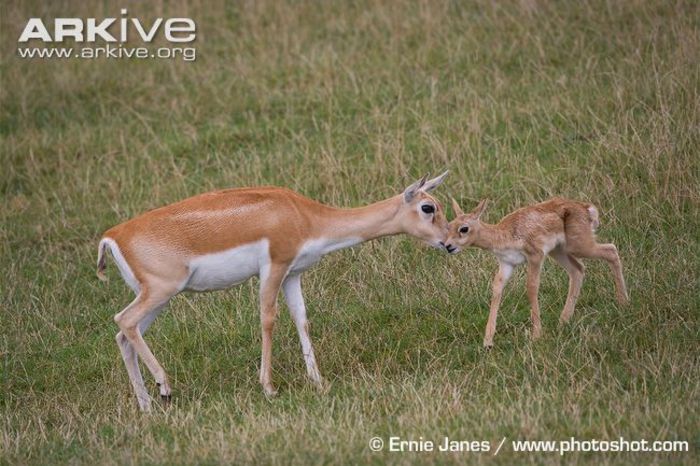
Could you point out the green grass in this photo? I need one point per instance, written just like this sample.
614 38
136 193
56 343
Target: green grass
348 102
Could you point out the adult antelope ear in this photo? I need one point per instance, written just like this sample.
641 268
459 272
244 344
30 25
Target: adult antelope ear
410 192
480 208
435 182
457 209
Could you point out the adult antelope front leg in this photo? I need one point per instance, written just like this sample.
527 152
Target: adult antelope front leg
271 278
295 302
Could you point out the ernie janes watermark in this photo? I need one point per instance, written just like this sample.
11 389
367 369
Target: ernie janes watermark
108 38
444 444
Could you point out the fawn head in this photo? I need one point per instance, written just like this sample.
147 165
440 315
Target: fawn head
464 229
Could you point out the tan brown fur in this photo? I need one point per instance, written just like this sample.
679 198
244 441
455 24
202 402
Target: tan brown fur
164 239
161 240
561 228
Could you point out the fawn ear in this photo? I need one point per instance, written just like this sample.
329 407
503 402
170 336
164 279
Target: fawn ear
457 209
480 208
434 183
410 192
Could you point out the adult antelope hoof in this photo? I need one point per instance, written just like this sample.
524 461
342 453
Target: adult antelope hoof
536 333
144 405
321 385
270 391
165 396
488 345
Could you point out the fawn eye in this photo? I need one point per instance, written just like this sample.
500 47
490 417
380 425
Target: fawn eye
427 208
464 229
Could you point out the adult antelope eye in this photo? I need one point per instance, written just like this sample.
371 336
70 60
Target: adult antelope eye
464 229
427 208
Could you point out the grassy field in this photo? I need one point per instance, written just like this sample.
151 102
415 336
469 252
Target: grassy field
347 103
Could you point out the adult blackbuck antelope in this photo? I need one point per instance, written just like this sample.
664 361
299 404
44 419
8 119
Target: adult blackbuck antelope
220 239
561 228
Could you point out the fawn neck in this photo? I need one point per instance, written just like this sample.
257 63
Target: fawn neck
492 237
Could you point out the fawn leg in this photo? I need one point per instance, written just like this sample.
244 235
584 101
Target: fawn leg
499 282
608 252
575 269
534 267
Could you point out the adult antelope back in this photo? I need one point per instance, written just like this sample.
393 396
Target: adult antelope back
216 240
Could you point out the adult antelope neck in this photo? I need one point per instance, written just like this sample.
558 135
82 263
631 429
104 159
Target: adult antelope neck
366 223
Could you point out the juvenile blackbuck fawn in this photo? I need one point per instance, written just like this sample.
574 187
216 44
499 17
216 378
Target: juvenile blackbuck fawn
561 228
220 239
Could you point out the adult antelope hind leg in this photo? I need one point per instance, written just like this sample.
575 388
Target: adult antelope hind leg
131 360
133 322
295 303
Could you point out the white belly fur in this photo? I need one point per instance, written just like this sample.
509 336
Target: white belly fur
510 256
221 270
227 268
313 250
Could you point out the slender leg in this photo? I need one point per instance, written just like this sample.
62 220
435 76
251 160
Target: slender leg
131 361
615 263
271 278
132 368
575 269
608 252
295 302
534 267
499 282
144 307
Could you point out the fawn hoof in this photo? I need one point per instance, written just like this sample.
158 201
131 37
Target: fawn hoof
488 345
536 333
166 399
